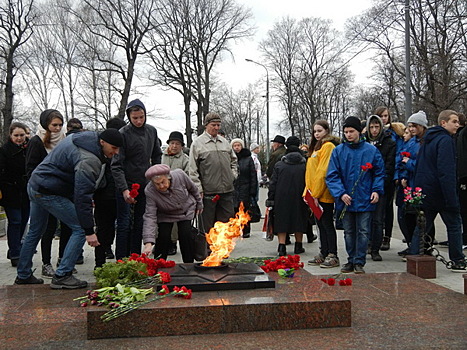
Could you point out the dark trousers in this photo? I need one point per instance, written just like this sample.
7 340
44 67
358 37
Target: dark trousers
105 214
220 210
47 238
65 234
463 203
389 192
164 241
17 221
327 231
129 226
377 223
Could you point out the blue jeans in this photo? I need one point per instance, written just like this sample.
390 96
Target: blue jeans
453 222
17 221
129 238
356 233
64 210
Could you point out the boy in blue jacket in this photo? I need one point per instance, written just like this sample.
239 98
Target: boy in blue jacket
355 179
435 173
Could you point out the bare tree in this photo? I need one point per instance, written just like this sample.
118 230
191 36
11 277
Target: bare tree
123 24
437 33
16 27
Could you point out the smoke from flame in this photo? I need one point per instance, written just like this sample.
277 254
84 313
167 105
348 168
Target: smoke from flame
221 238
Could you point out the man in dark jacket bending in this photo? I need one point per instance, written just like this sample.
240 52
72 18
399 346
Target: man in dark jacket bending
63 185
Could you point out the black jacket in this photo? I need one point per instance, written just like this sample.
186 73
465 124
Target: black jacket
35 154
274 158
13 178
285 192
387 147
247 182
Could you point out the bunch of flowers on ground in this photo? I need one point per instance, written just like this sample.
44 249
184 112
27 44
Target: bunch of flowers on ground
283 263
122 299
132 269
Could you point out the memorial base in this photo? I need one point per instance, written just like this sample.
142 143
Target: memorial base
423 266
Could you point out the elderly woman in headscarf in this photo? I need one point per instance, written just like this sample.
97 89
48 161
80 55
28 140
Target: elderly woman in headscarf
171 197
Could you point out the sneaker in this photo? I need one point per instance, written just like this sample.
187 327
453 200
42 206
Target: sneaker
80 260
444 243
403 252
386 244
47 271
459 266
376 257
464 246
317 260
347 268
30 280
359 269
331 261
67 282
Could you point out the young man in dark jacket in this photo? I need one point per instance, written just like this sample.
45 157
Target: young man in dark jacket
141 150
63 185
435 174
382 140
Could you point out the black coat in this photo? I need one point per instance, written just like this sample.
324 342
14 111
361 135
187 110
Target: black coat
35 154
275 157
387 147
13 178
247 182
285 192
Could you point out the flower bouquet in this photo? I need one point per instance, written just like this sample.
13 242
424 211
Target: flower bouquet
288 264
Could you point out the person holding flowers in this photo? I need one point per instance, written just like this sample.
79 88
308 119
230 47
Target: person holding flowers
355 178
321 146
141 150
435 173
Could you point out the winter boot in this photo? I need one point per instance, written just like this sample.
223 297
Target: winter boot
282 250
299 248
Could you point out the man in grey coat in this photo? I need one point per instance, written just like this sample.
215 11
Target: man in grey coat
213 169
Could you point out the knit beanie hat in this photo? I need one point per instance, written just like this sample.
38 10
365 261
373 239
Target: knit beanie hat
46 117
156 170
212 117
353 122
112 136
419 118
292 141
253 146
240 141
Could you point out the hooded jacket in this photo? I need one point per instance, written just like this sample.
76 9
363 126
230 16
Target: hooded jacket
317 167
435 171
345 169
73 170
386 146
141 150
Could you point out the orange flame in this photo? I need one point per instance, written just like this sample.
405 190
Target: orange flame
221 238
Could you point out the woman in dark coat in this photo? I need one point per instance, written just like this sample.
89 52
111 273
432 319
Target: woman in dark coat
13 183
247 181
285 196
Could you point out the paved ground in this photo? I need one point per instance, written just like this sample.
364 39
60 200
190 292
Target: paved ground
257 246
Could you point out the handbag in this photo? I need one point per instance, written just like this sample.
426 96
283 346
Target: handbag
198 235
255 212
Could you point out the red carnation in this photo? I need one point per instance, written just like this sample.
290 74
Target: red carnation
331 281
348 281
342 283
164 290
135 186
405 154
216 198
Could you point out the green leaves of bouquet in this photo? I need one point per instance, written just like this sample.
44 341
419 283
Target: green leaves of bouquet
125 272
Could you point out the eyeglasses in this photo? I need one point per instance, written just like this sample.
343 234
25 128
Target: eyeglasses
55 125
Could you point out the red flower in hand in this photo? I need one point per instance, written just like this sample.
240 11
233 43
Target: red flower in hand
216 198
134 190
405 154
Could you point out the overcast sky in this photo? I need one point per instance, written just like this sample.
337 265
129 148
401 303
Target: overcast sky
238 73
